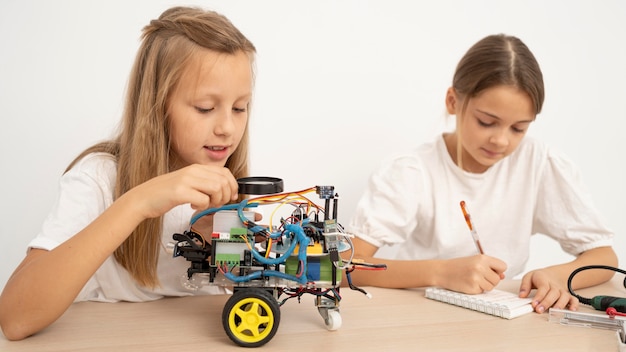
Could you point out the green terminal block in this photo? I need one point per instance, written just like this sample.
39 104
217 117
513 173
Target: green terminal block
236 233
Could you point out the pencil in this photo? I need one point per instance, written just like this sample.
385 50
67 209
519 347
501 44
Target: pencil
468 220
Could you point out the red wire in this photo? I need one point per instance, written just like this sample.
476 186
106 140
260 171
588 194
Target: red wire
301 271
612 312
368 268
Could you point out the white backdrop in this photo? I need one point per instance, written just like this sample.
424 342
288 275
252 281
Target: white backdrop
340 86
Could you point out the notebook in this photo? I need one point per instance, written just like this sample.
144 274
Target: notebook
495 302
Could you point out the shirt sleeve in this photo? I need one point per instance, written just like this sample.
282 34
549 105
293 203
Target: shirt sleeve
85 191
385 213
565 210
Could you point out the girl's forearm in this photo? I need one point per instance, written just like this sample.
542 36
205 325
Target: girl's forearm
586 278
47 282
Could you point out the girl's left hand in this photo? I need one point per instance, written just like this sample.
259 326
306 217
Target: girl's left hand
550 292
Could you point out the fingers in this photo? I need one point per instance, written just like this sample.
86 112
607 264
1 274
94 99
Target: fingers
482 284
553 296
549 292
543 299
220 185
567 301
494 274
573 303
497 266
525 286
202 186
475 274
214 186
492 279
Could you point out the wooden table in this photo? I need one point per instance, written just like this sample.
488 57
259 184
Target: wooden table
392 320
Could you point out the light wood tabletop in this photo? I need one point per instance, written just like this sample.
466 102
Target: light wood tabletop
392 320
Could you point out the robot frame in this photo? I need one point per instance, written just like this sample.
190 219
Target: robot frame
299 256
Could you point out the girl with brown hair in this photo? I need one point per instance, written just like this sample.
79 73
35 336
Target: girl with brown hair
516 187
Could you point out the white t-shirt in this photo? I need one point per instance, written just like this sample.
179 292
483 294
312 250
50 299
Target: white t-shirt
414 200
85 192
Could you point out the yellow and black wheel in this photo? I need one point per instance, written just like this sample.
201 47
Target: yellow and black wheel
251 317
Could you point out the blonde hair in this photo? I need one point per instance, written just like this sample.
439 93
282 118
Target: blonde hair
496 60
142 146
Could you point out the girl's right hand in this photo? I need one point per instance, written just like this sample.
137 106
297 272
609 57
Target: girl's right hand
202 186
475 274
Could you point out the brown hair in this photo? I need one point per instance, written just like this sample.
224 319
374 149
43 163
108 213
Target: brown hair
493 61
142 146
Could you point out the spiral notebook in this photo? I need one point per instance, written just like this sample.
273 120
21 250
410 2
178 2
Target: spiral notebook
495 302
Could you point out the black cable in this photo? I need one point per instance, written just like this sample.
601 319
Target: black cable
599 302
351 285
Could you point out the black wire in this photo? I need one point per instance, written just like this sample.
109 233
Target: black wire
351 285
571 276
369 265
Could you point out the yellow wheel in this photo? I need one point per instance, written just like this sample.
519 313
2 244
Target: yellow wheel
251 317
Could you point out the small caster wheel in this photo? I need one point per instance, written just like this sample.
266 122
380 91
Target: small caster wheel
333 320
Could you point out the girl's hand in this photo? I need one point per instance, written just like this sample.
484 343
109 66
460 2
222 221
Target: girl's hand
550 292
475 274
202 186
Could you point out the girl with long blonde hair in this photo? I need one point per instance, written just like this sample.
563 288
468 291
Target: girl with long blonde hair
182 143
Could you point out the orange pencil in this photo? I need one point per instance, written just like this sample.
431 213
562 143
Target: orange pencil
468 220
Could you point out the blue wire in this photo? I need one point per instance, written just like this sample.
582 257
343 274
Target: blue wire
258 274
224 207
300 238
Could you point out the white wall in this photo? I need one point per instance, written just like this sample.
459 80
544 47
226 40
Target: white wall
340 86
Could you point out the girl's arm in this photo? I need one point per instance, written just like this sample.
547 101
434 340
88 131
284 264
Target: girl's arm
46 283
473 274
551 282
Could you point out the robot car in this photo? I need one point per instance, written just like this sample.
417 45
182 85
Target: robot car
267 265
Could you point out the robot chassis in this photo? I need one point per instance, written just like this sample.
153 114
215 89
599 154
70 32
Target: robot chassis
264 263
